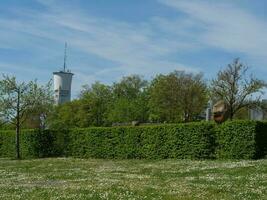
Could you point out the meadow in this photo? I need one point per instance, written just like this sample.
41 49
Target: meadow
71 178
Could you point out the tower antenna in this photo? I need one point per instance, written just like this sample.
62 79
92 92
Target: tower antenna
65 56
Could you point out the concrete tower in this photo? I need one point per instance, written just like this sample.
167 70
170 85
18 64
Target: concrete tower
62 83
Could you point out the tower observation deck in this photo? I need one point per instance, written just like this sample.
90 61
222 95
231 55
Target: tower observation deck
62 84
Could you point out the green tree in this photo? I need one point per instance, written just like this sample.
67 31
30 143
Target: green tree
18 98
194 95
95 102
129 100
178 96
238 89
91 109
68 115
130 87
164 95
36 115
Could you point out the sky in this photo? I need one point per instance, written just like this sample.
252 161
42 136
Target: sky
109 39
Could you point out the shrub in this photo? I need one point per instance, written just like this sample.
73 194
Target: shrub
241 140
7 144
33 143
194 140
231 140
261 140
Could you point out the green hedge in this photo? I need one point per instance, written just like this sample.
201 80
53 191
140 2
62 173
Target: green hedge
33 143
193 140
7 144
241 140
231 140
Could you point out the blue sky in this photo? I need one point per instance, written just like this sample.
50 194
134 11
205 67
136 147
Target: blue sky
108 39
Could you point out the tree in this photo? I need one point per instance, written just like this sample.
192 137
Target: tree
129 100
96 101
68 115
37 114
16 99
130 87
236 87
178 96
163 101
91 109
194 95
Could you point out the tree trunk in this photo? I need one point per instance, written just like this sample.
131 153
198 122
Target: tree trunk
17 143
18 127
231 115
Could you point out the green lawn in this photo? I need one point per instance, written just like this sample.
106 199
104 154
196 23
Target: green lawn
69 178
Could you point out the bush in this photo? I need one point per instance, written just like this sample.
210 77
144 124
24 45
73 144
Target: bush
195 140
241 140
261 140
7 144
33 143
231 140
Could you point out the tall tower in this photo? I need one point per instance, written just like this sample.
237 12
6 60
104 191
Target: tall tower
62 83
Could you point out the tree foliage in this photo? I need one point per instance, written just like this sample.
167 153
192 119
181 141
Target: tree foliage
91 109
175 97
178 96
96 101
129 100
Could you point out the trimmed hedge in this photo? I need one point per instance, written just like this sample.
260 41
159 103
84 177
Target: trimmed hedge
33 143
231 140
241 140
193 140
7 144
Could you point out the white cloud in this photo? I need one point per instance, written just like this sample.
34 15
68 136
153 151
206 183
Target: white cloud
132 48
225 26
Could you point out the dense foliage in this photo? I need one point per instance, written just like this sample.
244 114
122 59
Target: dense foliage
176 97
232 140
164 141
171 98
242 139
33 143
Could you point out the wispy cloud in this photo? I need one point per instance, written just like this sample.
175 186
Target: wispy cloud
129 48
106 49
225 26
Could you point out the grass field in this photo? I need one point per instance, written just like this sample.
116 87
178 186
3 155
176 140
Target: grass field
69 178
